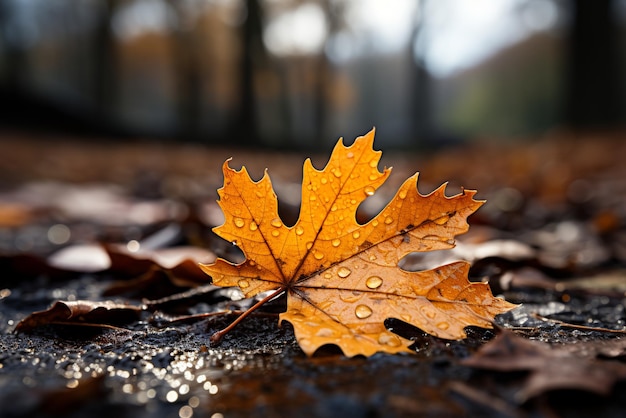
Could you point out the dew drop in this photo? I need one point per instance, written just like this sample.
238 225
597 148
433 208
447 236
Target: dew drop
350 155
372 257
299 230
336 242
277 223
389 339
353 201
373 177
443 325
442 220
309 245
362 311
388 220
243 284
402 194
373 163
333 208
318 255
343 272
239 223
253 226
356 234
375 223
275 233
337 172
369 190
373 282
328 276
324 180
312 198
350 297
324 332
429 313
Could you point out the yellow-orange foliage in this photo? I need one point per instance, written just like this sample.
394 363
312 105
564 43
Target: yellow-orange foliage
342 278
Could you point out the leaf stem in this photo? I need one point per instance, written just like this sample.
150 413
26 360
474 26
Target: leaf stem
218 335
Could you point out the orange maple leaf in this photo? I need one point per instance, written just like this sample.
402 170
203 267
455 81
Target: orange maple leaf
342 278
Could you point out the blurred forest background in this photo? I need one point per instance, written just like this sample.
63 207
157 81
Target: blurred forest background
299 74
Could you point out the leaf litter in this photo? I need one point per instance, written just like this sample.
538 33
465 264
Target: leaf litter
169 367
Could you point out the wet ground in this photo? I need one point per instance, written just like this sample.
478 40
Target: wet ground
552 238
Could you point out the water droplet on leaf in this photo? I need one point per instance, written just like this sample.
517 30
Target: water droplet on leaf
443 325
277 223
324 332
369 190
243 283
373 282
362 311
299 230
336 242
343 272
239 223
429 313
350 296
389 339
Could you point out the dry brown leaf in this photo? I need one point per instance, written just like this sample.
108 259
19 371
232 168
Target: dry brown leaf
551 367
81 312
342 278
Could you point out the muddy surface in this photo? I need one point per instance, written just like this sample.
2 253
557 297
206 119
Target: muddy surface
568 272
147 370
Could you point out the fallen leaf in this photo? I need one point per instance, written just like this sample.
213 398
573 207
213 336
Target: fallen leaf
180 262
84 258
341 277
551 367
81 312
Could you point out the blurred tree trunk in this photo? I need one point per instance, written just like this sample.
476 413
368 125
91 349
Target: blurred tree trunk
245 127
14 55
593 76
188 46
105 69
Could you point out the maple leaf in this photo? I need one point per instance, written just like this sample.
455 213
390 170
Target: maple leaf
342 278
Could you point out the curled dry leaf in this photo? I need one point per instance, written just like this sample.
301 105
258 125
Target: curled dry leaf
341 277
81 312
181 262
